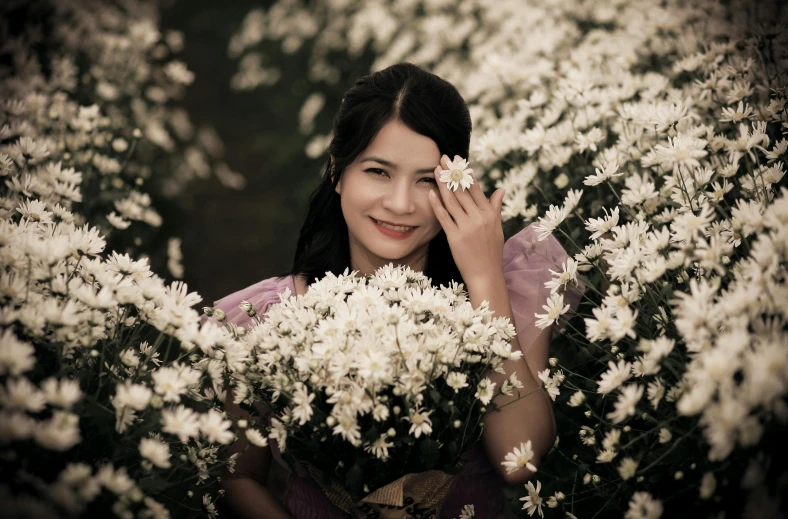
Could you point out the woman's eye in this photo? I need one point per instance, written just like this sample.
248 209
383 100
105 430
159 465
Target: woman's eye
377 171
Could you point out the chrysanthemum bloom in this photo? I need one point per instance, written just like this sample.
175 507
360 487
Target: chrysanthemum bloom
458 174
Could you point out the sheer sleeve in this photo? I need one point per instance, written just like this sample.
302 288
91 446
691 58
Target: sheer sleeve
261 295
526 265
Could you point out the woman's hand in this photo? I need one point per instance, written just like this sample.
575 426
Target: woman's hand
473 228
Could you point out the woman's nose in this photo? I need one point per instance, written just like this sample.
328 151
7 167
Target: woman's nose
400 199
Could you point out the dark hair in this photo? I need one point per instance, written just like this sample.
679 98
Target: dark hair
420 100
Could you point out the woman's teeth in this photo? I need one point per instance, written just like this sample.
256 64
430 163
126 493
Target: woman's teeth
393 227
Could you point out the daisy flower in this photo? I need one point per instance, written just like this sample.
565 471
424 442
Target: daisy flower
625 405
643 506
567 274
555 308
533 503
380 447
484 391
458 174
156 452
520 457
420 422
551 220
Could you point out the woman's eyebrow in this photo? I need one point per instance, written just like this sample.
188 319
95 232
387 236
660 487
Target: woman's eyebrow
394 166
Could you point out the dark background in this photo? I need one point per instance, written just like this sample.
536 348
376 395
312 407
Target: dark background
232 239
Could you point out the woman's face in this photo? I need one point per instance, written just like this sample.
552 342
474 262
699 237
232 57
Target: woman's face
392 188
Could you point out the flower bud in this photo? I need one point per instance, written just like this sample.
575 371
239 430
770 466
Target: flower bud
396 409
137 133
553 361
391 432
247 307
242 423
678 475
156 402
219 315
457 424
331 421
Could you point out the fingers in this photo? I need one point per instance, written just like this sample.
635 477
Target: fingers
471 200
443 216
450 201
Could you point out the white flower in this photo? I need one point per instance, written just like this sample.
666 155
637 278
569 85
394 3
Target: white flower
256 438
131 395
708 484
627 468
555 307
568 273
420 422
180 421
519 458
643 506
682 150
171 382
117 481
215 428
615 376
655 391
456 380
458 175
738 114
19 393
210 507
602 175
59 433
606 455
532 502
485 390
380 447
572 199
577 398
157 452
550 222
600 226
625 405
551 383
348 427
467 512
16 356
62 393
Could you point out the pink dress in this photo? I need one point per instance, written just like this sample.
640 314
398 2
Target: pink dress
526 262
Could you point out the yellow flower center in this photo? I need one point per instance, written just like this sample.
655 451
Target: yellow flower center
457 174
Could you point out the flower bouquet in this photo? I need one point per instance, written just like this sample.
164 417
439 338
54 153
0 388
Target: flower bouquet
373 383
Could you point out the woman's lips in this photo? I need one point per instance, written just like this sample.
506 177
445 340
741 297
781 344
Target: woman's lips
391 233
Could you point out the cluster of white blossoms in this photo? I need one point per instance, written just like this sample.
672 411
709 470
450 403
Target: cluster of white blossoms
651 137
110 393
380 365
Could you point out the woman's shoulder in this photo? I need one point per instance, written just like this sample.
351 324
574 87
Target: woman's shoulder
261 295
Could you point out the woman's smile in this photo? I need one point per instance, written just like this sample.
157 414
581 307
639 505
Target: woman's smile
392 230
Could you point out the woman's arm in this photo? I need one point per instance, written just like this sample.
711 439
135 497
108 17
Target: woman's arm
530 418
245 488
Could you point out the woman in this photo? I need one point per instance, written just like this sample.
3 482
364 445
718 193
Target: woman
381 201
